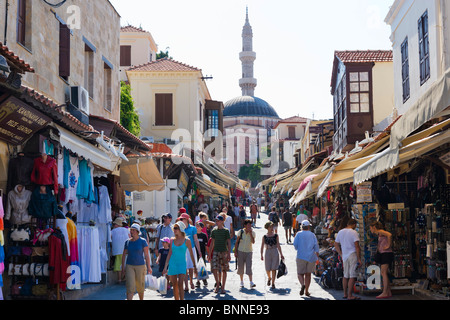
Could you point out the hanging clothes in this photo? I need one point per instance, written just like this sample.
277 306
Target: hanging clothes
62 225
104 205
19 172
73 176
58 259
89 254
17 206
85 189
60 165
73 242
42 205
45 173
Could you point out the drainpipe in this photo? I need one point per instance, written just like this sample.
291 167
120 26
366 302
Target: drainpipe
6 21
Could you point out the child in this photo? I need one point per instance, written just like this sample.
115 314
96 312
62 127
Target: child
202 240
162 257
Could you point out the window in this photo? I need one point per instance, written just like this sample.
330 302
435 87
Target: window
125 56
164 109
291 132
107 88
424 49
359 92
405 70
89 71
64 51
212 123
24 23
340 101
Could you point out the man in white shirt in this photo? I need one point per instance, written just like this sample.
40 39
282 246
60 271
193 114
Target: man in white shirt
347 245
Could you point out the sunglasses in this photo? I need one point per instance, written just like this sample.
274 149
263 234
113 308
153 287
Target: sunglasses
176 228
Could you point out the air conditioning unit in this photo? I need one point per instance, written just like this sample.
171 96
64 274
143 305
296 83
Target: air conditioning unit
148 139
170 141
79 97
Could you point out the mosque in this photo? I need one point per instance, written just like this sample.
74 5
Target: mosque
247 120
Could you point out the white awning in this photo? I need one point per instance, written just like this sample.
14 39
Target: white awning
325 183
84 149
430 105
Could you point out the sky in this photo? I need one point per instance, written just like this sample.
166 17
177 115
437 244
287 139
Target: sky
294 41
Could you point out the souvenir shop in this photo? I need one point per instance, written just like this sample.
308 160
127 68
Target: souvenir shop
58 209
412 202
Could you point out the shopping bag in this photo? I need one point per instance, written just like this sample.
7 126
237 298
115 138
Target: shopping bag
282 270
151 282
162 285
202 273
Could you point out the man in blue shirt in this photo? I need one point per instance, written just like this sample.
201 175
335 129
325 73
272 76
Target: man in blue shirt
307 246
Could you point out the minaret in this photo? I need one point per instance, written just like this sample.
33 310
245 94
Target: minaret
248 83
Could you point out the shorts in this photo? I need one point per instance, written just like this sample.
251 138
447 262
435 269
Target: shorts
287 227
350 266
219 261
189 263
244 260
304 267
118 262
135 278
384 258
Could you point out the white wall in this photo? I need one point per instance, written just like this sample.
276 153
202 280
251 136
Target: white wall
383 90
404 19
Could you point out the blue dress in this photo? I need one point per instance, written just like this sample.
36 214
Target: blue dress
177 263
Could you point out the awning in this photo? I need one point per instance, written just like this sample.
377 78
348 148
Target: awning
84 149
325 182
219 190
390 158
141 174
430 105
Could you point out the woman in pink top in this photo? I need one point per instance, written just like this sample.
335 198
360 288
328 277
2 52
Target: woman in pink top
384 257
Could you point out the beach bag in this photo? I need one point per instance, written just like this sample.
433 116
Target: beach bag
162 284
151 282
202 273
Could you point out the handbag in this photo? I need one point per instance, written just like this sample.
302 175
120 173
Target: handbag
39 270
282 270
42 236
20 235
40 252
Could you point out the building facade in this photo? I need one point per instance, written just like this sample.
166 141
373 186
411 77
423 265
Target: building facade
363 94
67 51
137 47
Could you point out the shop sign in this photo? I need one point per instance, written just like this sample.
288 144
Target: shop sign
364 192
396 206
183 182
19 121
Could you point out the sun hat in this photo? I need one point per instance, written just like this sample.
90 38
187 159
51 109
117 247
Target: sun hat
118 221
181 225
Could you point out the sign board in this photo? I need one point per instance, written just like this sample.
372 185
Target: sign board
364 192
183 182
19 121
396 206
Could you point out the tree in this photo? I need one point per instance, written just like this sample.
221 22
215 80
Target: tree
129 117
162 54
244 171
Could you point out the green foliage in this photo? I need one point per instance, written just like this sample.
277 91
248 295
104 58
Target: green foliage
129 117
162 54
251 172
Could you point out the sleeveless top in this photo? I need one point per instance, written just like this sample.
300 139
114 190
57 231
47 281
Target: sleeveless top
382 243
271 242
177 263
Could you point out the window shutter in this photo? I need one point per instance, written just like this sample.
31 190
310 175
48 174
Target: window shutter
21 21
164 110
64 51
125 56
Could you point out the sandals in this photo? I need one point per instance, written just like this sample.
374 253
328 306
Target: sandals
302 291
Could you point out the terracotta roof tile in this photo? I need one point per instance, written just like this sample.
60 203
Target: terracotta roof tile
365 56
165 65
131 28
15 60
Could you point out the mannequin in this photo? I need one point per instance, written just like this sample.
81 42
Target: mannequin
17 207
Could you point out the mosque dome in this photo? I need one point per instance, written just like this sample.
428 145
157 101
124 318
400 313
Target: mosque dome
250 107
